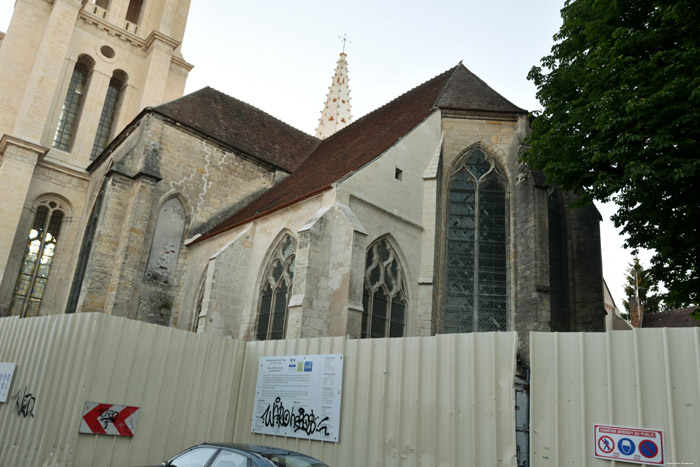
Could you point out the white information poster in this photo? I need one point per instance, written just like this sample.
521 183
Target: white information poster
299 396
627 444
6 372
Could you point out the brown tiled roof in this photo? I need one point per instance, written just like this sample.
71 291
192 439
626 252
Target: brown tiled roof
359 143
679 318
466 91
242 127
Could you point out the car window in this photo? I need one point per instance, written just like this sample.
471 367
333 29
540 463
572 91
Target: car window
230 459
196 457
291 460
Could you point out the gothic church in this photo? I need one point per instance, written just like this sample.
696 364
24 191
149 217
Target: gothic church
204 213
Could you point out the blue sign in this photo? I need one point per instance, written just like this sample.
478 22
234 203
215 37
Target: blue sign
648 449
626 446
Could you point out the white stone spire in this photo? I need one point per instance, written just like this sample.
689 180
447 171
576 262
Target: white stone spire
336 113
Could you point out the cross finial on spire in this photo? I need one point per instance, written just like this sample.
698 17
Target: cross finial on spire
344 39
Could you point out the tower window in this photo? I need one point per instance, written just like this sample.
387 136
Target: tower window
384 298
38 256
102 3
108 116
274 291
70 113
476 257
133 13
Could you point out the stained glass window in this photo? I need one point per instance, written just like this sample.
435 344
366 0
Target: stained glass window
70 113
558 277
274 291
38 256
475 296
384 299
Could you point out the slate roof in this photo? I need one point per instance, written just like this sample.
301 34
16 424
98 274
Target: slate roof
242 127
679 318
361 142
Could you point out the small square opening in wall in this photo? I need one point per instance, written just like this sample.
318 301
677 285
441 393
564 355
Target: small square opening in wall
399 174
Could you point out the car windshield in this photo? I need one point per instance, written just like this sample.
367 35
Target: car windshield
293 460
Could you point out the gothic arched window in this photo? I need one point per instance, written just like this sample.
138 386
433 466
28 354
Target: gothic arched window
109 113
476 257
384 299
167 237
38 256
72 105
274 291
558 264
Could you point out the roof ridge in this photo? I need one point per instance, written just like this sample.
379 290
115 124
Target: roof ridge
244 103
449 80
368 114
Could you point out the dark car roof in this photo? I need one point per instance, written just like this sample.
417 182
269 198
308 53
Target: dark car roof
253 448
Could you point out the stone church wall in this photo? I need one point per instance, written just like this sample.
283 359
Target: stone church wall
156 163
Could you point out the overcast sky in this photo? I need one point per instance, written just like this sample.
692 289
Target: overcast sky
280 55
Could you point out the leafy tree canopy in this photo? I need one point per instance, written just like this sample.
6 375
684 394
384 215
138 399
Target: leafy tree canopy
621 121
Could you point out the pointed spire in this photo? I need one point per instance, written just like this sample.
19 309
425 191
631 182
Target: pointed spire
336 113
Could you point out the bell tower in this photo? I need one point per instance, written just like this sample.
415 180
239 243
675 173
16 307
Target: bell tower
74 73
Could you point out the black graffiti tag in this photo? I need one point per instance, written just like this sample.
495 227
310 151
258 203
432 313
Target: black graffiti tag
110 416
299 420
24 403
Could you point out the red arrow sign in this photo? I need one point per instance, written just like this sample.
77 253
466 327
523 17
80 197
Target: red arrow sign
108 419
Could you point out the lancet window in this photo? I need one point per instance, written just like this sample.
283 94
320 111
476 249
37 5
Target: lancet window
475 291
558 264
384 299
167 237
109 112
38 256
72 105
275 291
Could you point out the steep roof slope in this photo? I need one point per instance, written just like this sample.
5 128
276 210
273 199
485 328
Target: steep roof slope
466 91
361 142
241 126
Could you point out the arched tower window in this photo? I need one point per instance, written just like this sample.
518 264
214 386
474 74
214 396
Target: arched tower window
105 127
73 104
133 13
165 248
384 299
38 256
274 291
558 274
102 3
476 257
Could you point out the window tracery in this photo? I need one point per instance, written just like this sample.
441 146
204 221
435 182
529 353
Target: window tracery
38 257
384 299
475 288
274 291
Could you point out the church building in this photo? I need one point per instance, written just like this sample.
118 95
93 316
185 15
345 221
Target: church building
207 214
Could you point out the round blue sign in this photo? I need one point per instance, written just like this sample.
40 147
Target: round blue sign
626 446
648 448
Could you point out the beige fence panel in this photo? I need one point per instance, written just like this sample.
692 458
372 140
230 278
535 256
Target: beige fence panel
647 378
186 386
446 400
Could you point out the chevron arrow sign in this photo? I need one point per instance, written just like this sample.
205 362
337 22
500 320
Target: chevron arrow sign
109 419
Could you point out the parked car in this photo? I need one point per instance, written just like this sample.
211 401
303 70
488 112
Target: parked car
240 455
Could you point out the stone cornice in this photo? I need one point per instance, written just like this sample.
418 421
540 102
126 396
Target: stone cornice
111 29
158 37
8 140
180 63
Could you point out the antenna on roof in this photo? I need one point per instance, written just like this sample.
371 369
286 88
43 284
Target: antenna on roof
344 39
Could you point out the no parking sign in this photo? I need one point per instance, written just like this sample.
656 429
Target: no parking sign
625 444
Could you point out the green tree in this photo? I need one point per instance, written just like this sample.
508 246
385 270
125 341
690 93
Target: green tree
637 284
621 120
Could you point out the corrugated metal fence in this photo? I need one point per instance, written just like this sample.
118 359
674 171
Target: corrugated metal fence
185 384
433 401
647 378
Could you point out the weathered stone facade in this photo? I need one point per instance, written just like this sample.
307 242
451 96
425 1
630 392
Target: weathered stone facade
181 220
